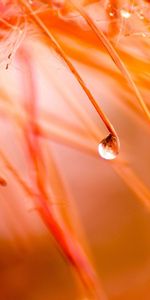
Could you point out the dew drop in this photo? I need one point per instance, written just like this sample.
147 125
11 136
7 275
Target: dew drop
125 14
109 147
111 13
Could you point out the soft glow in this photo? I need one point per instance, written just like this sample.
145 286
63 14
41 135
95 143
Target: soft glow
125 14
60 63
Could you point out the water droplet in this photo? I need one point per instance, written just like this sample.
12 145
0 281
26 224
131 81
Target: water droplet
109 147
111 13
125 14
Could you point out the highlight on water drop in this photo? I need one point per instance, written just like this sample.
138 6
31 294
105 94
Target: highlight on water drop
125 14
109 147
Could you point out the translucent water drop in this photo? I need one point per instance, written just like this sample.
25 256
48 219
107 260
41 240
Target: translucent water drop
125 14
109 147
111 13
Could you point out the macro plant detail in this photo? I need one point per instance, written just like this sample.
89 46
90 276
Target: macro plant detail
74 93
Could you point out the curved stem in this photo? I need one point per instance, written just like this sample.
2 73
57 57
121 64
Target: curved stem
114 55
61 52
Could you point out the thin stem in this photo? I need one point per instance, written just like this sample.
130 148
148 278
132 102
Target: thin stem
114 55
120 167
68 244
61 52
16 175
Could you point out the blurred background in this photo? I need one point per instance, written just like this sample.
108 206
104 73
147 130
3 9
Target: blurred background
107 200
